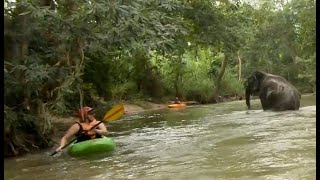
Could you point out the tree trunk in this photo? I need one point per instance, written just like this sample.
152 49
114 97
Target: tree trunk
178 78
222 70
240 66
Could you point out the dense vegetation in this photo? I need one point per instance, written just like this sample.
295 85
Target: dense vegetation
64 53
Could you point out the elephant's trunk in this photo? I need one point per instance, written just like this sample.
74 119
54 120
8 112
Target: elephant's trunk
248 93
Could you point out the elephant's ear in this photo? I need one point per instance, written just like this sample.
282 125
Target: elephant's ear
259 75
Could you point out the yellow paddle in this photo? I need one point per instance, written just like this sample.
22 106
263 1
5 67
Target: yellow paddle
112 115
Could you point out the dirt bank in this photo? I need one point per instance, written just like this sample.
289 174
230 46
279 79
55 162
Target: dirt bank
128 108
145 106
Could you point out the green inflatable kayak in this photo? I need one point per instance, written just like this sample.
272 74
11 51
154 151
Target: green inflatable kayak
90 147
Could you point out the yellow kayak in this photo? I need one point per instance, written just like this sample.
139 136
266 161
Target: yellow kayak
177 105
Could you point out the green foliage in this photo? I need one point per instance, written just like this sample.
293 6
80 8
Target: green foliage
196 83
120 91
16 126
215 64
230 85
199 69
307 74
280 39
60 55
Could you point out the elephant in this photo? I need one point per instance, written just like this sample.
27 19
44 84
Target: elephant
275 92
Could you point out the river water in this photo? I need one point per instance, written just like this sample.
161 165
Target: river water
218 141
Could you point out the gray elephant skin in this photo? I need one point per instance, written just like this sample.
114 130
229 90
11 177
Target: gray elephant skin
275 92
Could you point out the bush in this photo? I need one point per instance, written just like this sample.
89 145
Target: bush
121 91
230 85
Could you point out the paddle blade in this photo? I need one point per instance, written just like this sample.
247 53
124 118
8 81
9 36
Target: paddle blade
115 113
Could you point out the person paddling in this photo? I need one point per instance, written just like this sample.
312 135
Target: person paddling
86 121
176 101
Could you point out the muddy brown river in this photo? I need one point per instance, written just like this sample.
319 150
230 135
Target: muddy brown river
218 141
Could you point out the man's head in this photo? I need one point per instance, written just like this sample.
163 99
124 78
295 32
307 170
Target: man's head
84 112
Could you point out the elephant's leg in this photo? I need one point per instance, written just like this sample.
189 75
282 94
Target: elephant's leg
294 102
297 105
296 97
265 103
271 99
285 101
275 100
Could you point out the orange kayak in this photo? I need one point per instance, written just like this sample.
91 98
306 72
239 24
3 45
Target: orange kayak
177 105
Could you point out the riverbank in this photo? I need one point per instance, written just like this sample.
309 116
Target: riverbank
135 108
129 108
142 106
132 108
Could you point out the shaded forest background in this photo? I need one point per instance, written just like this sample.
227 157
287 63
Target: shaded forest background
60 54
